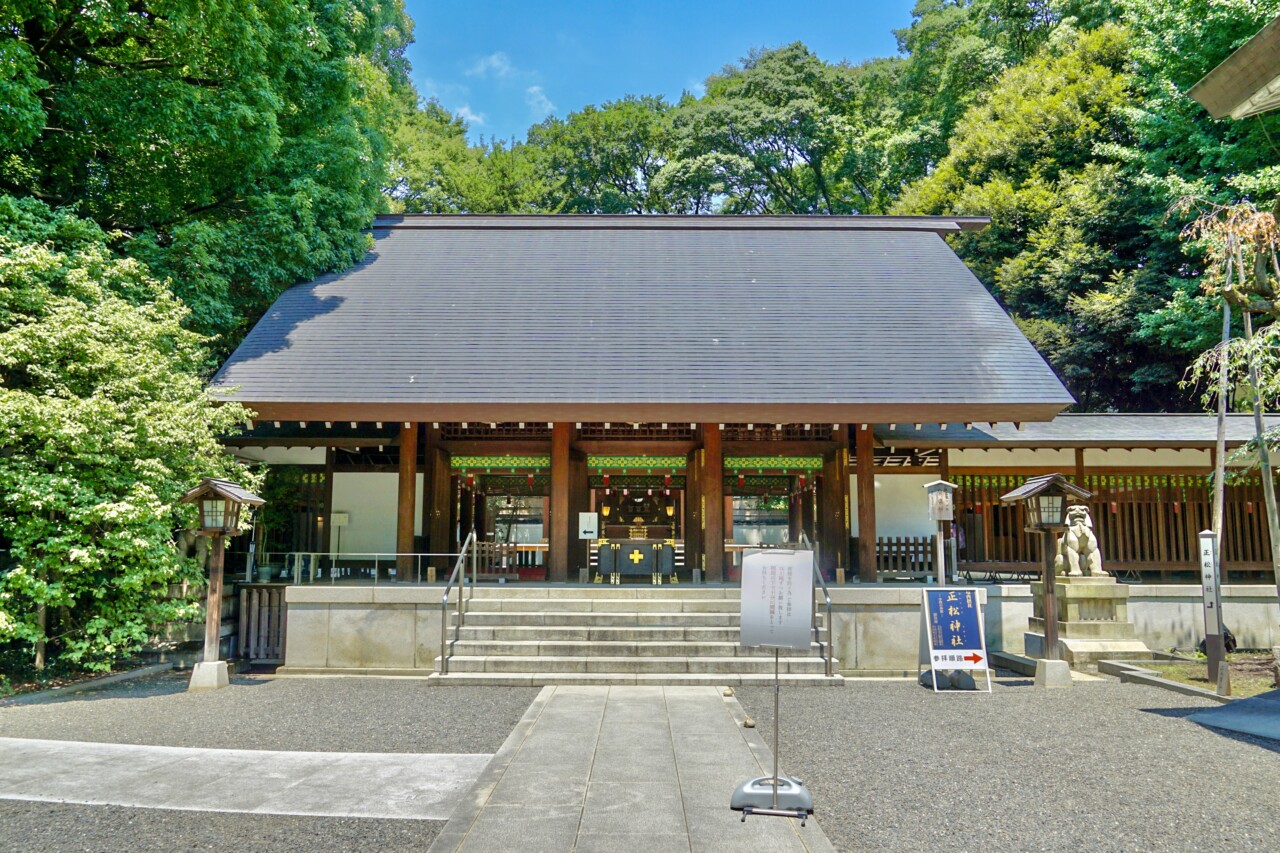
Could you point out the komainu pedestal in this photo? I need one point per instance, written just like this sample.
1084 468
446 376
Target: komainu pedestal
1093 622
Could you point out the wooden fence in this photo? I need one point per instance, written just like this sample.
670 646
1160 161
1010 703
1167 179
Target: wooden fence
262 622
904 557
1144 522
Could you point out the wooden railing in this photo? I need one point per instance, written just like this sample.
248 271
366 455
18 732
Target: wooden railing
904 557
262 622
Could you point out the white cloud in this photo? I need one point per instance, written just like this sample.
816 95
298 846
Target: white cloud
494 65
471 118
539 104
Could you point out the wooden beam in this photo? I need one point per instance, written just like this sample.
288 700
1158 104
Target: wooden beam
1080 467
407 495
712 503
496 447
558 540
634 447
864 443
797 447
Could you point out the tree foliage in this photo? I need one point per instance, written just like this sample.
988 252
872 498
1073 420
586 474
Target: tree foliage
104 423
240 146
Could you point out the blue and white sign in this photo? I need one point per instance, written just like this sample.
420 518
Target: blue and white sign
953 619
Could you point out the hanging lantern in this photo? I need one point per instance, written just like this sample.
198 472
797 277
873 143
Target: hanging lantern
471 481
606 480
666 480
531 481
742 481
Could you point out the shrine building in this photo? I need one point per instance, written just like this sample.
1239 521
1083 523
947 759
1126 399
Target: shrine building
671 374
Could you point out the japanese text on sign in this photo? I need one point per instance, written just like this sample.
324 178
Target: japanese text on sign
777 599
954 623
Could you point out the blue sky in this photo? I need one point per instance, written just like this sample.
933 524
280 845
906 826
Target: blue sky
506 65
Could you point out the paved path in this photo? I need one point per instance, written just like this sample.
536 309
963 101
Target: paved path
330 784
623 768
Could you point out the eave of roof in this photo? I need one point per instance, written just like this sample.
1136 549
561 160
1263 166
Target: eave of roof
1152 431
672 222
1247 82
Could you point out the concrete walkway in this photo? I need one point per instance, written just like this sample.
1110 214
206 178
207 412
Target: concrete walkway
330 784
624 768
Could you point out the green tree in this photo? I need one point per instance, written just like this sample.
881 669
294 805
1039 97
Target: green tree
104 423
606 158
241 147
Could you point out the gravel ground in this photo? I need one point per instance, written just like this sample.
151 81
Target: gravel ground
1100 767
304 715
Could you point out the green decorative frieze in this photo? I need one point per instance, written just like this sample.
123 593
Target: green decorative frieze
499 463
638 464
773 463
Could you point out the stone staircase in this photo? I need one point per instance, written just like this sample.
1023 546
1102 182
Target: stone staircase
522 636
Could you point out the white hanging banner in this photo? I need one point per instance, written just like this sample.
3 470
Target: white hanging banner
777 599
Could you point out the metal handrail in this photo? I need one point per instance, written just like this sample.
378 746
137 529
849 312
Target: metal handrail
826 594
459 572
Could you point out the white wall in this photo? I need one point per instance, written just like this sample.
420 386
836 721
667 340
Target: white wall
370 501
902 507
1159 458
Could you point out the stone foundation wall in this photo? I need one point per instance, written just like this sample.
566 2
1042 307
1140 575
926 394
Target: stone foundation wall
877 629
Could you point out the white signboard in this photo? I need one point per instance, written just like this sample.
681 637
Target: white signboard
588 525
777 599
1209 582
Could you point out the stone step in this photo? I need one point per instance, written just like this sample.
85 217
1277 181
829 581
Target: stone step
632 633
673 619
661 665
628 591
603 605
574 648
543 679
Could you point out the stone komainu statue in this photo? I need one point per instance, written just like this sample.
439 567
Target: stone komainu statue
1078 552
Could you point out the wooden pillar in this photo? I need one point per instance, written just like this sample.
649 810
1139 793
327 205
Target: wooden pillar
438 493
1080 467
408 492
835 505
579 501
325 538
795 511
728 516
561 477
693 511
865 446
808 512
466 511
712 488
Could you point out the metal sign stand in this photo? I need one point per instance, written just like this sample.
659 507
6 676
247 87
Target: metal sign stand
776 795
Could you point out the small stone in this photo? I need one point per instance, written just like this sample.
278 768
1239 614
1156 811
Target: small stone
728 691
749 722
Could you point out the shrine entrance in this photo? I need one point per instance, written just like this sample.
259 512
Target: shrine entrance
641 537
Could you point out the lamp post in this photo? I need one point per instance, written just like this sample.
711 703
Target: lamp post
219 502
942 512
1044 499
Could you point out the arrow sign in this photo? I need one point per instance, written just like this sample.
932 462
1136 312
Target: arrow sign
953 623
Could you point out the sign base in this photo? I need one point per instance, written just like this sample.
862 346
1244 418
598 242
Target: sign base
756 796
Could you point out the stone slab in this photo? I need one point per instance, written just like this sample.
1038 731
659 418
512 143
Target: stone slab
627 769
319 784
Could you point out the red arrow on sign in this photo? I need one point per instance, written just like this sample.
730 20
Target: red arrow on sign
973 658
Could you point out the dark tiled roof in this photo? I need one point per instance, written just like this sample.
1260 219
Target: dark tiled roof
1079 430
683 312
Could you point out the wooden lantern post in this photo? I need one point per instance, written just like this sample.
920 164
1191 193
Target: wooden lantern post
1045 501
219 502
